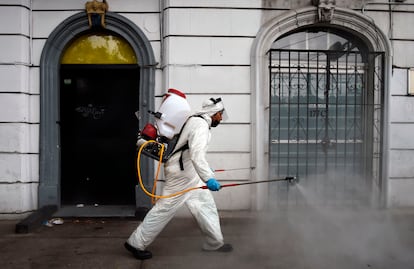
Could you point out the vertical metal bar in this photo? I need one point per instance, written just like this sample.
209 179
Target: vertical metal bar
337 187
366 114
346 119
281 78
326 122
365 110
336 110
346 112
382 185
308 91
317 114
299 72
354 163
298 116
289 99
271 110
354 116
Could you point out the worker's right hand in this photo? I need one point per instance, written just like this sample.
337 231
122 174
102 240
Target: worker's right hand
213 184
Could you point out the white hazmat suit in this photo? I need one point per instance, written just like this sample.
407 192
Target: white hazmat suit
197 171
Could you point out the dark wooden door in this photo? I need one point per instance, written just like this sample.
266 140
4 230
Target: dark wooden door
98 133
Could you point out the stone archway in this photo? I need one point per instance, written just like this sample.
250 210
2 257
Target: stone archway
344 20
49 166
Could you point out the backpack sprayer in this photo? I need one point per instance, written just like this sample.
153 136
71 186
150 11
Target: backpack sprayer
169 119
158 141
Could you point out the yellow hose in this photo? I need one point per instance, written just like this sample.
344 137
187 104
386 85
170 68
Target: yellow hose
152 194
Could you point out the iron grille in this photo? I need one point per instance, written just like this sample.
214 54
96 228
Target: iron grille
325 123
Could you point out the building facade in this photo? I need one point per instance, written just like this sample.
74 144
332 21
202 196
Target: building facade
314 89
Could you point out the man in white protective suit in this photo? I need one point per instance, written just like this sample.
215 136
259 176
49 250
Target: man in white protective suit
186 168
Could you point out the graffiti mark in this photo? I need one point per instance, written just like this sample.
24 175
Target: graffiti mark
90 111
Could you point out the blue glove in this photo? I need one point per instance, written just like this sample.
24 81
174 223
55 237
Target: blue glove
213 184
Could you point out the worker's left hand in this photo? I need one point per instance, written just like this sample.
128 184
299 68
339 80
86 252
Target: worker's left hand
213 184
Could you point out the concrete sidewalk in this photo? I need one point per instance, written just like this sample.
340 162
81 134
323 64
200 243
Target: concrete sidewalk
289 238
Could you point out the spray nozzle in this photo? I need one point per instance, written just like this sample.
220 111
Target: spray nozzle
292 180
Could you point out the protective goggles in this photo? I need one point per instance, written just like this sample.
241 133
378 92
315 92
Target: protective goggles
224 115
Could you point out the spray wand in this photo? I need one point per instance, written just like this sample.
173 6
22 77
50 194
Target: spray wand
233 169
291 180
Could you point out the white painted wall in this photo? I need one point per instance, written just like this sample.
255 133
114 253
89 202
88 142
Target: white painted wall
204 50
19 175
211 60
401 113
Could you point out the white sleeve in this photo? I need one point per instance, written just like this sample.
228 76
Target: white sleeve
198 141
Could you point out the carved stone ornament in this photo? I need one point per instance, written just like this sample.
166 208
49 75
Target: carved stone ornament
326 9
96 12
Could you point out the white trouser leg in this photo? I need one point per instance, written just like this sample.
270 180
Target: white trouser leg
155 221
202 206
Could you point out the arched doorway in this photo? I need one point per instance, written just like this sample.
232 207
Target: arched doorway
99 97
50 130
343 20
325 117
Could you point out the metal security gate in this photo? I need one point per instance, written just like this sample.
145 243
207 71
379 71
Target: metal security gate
325 125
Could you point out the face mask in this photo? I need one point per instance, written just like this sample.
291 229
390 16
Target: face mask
215 123
216 119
